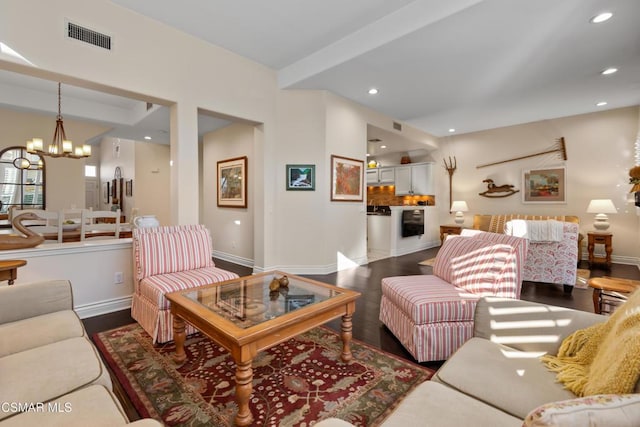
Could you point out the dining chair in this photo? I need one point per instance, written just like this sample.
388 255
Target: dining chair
50 223
96 224
72 214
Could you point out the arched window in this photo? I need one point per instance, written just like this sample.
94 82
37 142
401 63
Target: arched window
22 180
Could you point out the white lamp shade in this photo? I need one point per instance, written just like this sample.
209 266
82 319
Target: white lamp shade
604 206
459 206
601 207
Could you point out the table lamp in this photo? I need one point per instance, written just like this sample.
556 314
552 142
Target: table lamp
459 206
601 207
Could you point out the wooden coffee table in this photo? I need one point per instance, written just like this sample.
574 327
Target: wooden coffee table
246 316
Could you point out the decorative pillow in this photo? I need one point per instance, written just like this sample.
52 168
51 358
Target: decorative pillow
619 410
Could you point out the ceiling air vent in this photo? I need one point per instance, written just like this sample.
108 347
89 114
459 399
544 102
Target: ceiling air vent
86 35
397 126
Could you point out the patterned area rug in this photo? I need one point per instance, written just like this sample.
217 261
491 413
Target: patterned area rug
296 382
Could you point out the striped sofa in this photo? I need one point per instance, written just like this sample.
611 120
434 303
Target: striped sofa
168 259
432 315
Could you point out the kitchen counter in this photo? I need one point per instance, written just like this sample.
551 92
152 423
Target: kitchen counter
384 232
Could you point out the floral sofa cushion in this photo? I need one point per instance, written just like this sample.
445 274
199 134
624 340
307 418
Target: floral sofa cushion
620 410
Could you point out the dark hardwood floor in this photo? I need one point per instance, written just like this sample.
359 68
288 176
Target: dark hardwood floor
366 280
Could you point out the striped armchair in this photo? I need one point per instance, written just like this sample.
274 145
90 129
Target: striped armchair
168 259
432 315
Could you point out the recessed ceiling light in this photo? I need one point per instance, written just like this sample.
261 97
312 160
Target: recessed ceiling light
452 130
147 137
609 71
601 104
373 91
601 17
383 146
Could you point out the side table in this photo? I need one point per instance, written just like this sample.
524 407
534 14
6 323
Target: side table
9 269
449 229
609 292
602 238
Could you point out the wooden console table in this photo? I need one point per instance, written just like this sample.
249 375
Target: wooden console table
9 269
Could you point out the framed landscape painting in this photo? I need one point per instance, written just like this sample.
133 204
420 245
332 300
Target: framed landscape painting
301 177
232 182
544 185
346 179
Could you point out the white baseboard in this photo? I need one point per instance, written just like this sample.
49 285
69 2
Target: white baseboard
245 262
103 307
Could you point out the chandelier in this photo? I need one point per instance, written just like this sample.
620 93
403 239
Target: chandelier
60 146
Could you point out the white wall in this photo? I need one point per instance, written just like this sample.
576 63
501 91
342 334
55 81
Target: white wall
90 267
599 152
158 64
151 182
232 229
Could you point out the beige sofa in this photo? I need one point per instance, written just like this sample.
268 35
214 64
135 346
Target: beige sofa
50 372
496 378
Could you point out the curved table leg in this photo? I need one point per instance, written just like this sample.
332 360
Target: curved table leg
179 336
347 327
244 387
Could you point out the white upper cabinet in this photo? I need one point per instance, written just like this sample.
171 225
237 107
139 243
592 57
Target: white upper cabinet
381 176
414 179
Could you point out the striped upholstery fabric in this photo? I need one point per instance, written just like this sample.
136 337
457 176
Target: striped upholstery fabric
168 259
428 299
521 247
429 341
155 287
432 315
498 222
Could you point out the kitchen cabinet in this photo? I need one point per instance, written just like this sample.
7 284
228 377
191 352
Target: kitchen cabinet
381 176
414 179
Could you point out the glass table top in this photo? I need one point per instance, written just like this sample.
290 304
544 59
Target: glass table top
252 300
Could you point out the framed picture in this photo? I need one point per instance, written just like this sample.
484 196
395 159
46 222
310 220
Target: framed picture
128 188
294 302
106 192
544 185
301 177
346 179
232 183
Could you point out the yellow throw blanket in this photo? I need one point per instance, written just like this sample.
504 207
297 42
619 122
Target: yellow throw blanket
603 358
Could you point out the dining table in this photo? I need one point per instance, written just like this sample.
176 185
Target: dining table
74 235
